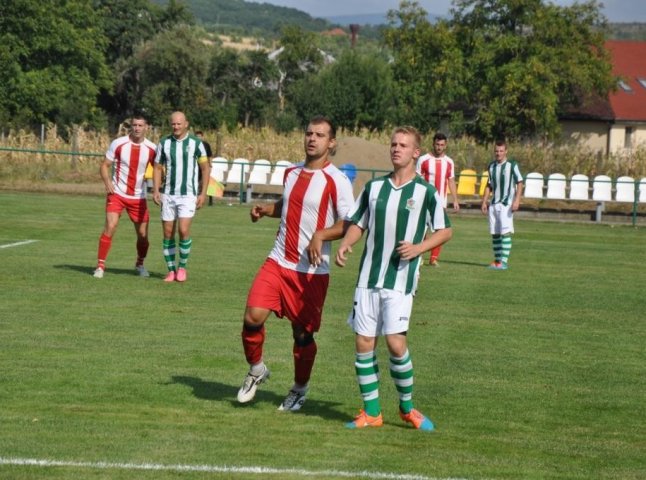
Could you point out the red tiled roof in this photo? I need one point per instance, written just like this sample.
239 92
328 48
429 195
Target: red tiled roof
629 63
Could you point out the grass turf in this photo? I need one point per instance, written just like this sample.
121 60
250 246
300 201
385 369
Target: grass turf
537 372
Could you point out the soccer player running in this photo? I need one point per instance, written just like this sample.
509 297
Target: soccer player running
293 280
127 157
181 155
505 187
438 170
397 211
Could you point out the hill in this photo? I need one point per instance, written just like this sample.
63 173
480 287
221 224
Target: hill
247 16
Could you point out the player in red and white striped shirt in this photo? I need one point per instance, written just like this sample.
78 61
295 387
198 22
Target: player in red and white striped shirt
293 280
438 170
128 158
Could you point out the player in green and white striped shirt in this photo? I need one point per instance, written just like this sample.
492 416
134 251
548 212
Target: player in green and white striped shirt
505 187
396 211
179 158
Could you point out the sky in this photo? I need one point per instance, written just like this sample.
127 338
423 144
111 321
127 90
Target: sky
614 10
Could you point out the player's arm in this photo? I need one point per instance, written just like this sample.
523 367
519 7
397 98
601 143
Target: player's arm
408 250
485 199
104 171
315 246
519 193
205 168
454 193
352 236
158 171
266 210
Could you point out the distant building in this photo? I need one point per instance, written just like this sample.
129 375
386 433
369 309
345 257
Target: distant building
616 124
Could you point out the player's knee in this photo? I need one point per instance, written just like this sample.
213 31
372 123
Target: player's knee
303 339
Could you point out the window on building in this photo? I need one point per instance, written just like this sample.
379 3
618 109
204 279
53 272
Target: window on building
625 87
628 137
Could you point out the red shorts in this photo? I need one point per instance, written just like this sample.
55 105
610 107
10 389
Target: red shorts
137 208
288 293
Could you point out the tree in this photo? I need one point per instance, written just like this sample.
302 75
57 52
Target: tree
355 92
528 61
428 67
167 73
52 62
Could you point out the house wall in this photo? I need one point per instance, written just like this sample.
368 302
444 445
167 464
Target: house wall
588 133
618 138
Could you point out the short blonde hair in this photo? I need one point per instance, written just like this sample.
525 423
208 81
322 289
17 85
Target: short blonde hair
408 130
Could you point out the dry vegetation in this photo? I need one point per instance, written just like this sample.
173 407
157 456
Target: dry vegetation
25 163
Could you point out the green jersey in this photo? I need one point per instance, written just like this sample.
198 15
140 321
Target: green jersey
503 178
181 160
391 214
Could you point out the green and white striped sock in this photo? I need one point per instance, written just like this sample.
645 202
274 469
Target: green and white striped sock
401 371
168 247
497 247
368 377
184 251
506 248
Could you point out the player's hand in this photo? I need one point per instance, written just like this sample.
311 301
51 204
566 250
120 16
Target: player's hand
456 207
256 213
408 250
341 253
314 250
157 198
484 207
200 201
109 188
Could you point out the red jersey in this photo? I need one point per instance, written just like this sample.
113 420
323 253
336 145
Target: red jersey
437 172
129 162
312 200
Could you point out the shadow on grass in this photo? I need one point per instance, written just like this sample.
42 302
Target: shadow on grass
453 262
208 390
109 271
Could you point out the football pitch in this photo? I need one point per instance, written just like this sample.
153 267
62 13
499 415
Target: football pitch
537 372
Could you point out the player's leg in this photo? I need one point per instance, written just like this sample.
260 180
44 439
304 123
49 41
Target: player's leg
140 218
185 213
495 230
185 244
365 321
303 297
507 229
396 310
169 247
263 298
113 211
435 255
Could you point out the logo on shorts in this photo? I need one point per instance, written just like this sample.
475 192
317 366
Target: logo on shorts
403 319
410 204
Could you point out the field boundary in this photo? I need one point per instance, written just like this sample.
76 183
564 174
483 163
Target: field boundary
48 463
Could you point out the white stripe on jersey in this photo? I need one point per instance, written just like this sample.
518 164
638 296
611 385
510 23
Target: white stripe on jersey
427 167
129 162
312 200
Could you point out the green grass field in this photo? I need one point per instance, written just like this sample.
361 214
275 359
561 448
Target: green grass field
534 373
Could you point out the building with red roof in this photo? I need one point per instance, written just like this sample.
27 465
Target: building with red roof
616 124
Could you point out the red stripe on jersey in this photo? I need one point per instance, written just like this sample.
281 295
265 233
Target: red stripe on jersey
131 182
439 178
294 213
328 194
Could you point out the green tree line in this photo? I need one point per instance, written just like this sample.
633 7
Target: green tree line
493 68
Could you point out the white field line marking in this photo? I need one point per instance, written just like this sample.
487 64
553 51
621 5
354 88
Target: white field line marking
17 244
211 469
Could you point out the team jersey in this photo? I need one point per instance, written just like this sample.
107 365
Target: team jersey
391 214
312 200
181 158
503 178
437 172
129 162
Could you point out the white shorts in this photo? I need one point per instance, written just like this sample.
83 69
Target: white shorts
501 219
380 311
177 206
